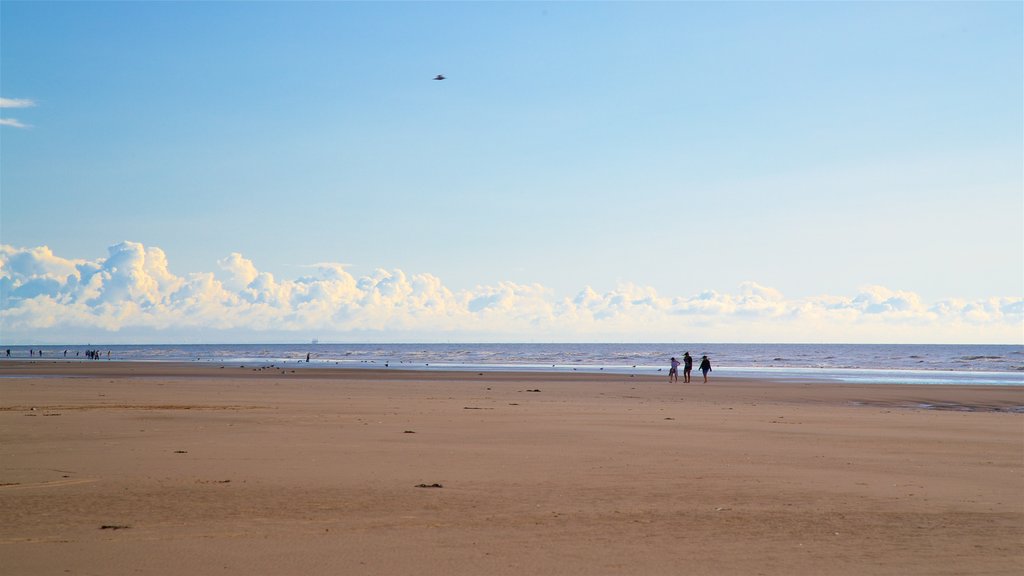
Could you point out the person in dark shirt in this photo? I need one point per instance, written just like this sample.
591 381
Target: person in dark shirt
705 367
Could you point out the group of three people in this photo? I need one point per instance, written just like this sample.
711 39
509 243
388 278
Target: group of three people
673 371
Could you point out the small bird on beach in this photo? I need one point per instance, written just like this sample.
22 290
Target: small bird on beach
439 77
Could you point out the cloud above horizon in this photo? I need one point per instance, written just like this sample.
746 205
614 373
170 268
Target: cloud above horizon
43 295
15 103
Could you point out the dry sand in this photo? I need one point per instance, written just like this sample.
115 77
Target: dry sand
128 468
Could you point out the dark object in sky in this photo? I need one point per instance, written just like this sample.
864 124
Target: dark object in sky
439 77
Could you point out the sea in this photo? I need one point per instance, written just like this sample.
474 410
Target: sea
999 365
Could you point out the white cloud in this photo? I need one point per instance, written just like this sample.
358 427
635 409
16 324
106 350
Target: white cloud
241 271
42 294
16 103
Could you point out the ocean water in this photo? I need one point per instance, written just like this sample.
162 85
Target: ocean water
876 363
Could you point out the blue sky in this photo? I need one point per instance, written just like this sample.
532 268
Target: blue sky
657 154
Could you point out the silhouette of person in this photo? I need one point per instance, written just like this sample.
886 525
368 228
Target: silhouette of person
705 367
687 366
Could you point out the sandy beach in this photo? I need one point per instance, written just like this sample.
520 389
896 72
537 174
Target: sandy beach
151 468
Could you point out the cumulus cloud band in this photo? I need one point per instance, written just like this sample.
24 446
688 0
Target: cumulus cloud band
132 287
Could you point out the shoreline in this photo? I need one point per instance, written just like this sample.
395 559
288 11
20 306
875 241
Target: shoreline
867 376
162 469
1004 362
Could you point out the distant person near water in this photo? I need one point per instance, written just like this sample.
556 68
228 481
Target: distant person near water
673 371
687 366
307 356
705 367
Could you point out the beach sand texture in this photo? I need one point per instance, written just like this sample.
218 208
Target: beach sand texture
132 468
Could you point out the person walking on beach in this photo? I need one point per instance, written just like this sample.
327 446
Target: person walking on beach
673 371
705 367
687 366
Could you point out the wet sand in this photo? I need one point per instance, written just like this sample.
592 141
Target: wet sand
112 468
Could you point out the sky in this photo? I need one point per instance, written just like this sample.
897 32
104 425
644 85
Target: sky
634 172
